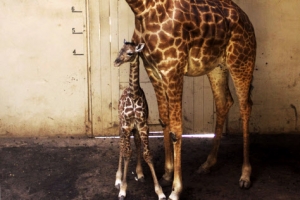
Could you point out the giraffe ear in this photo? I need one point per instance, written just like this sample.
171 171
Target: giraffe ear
139 47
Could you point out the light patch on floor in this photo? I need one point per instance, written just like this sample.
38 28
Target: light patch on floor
160 135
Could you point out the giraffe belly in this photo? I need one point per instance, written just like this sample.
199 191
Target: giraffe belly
203 65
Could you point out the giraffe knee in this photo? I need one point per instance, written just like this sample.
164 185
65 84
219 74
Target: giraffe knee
163 125
173 137
147 157
229 103
223 107
126 153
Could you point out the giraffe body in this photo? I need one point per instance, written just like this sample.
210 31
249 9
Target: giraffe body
133 115
193 38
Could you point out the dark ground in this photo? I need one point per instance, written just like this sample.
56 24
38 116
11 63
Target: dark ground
82 168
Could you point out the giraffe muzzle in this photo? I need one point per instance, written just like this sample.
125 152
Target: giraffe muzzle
117 63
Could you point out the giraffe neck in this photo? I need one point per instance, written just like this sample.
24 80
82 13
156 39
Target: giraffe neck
134 81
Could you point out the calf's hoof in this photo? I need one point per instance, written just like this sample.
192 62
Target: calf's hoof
203 170
121 198
142 179
245 184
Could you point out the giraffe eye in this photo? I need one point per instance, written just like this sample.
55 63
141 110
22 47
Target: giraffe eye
130 54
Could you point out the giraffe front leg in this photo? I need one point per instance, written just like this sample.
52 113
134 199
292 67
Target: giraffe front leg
160 87
123 186
177 182
167 178
175 120
139 170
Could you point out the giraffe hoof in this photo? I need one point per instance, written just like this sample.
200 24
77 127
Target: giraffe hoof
121 198
165 183
203 170
142 179
245 184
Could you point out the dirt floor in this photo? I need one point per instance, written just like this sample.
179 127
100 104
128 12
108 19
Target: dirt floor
82 168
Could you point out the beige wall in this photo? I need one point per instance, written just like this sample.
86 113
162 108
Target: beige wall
45 90
43 86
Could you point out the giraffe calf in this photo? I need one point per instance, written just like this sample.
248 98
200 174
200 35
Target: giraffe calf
133 116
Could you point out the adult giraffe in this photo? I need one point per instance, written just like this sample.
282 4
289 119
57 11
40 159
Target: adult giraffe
193 38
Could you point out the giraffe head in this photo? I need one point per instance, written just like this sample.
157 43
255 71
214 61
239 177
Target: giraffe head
128 53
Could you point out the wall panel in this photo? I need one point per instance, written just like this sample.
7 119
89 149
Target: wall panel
43 85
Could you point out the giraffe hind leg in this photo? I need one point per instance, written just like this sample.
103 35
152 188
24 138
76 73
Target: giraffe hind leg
144 132
245 110
242 77
125 154
119 173
223 100
118 180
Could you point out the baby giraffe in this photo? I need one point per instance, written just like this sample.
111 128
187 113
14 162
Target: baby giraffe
133 115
